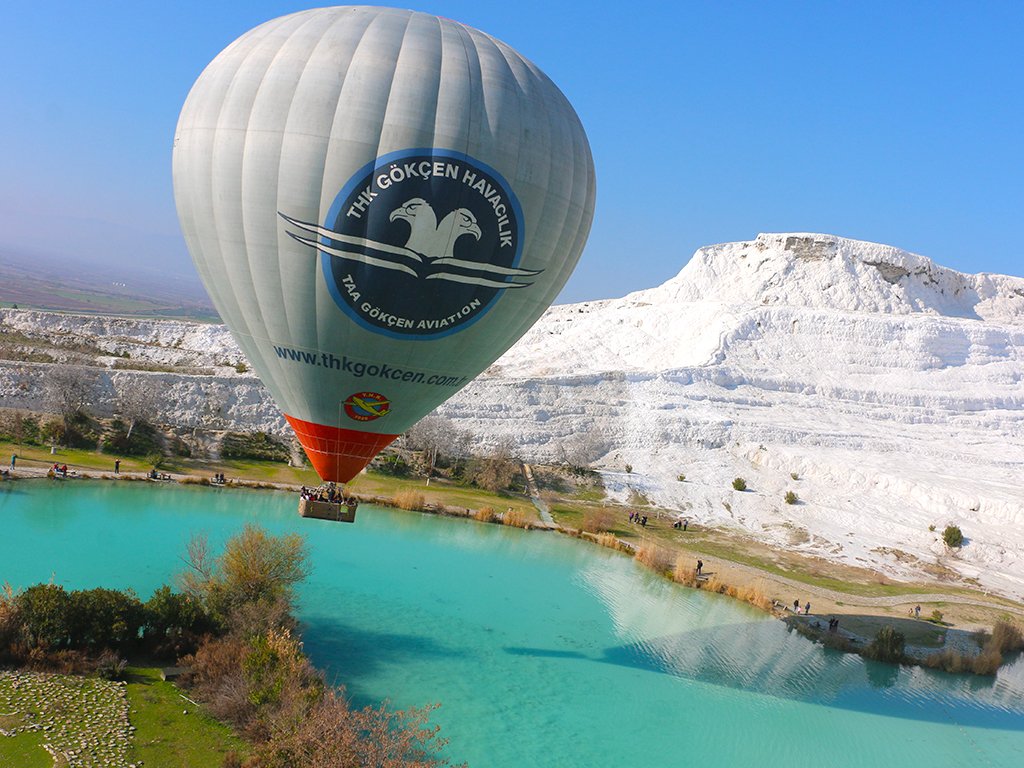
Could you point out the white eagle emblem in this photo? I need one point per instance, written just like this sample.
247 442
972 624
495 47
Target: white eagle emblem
429 252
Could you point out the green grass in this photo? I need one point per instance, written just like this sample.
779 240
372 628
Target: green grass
442 492
589 494
371 484
24 750
165 737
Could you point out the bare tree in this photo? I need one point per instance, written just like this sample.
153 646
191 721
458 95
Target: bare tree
496 470
69 389
136 401
583 447
437 436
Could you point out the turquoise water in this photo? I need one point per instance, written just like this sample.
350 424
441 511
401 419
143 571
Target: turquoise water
542 651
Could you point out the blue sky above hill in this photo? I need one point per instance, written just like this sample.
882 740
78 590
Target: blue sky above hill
709 122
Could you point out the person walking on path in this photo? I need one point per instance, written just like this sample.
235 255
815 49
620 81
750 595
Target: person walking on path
14 458
117 466
807 608
700 565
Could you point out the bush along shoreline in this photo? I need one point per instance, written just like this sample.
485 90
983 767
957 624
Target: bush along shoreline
231 627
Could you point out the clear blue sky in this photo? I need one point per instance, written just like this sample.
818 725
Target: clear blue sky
900 123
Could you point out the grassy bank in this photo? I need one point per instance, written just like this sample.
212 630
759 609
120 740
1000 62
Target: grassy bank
144 722
172 732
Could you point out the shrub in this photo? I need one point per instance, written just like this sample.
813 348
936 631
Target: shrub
10 618
629 469
887 646
684 571
986 662
715 584
1007 637
110 666
17 428
654 557
241 368
100 619
515 518
794 475
409 499
955 662
739 484
681 477
609 540
953 536
931 528
598 520
485 515
791 498
936 617
174 622
753 594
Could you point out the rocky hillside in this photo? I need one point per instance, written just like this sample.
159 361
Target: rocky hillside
885 391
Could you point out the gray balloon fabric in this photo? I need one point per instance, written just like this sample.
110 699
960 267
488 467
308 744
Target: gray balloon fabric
380 202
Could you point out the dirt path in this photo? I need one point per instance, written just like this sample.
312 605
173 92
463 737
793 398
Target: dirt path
531 486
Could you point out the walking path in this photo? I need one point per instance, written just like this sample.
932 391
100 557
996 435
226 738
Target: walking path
881 601
538 502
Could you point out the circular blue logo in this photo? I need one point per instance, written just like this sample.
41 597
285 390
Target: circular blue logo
420 244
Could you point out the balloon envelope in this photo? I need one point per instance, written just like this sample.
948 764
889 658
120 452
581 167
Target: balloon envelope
379 202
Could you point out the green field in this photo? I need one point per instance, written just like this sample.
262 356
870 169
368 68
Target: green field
93 721
170 731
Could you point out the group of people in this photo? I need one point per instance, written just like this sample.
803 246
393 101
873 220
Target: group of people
806 609
833 625
681 523
58 470
636 517
329 494
219 479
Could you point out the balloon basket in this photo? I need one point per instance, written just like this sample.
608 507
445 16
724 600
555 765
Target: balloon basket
328 510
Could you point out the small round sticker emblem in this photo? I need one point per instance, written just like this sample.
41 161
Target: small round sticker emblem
367 406
420 243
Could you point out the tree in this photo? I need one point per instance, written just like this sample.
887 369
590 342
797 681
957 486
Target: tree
334 735
136 401
739 484
255 568
44 615
953 536
887 646
791 497
495 471
437 438
10 618
582 448
69 389
103 618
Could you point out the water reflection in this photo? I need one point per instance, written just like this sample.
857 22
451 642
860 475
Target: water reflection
696 637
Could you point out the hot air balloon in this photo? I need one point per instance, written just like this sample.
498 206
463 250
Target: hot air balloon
380 202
